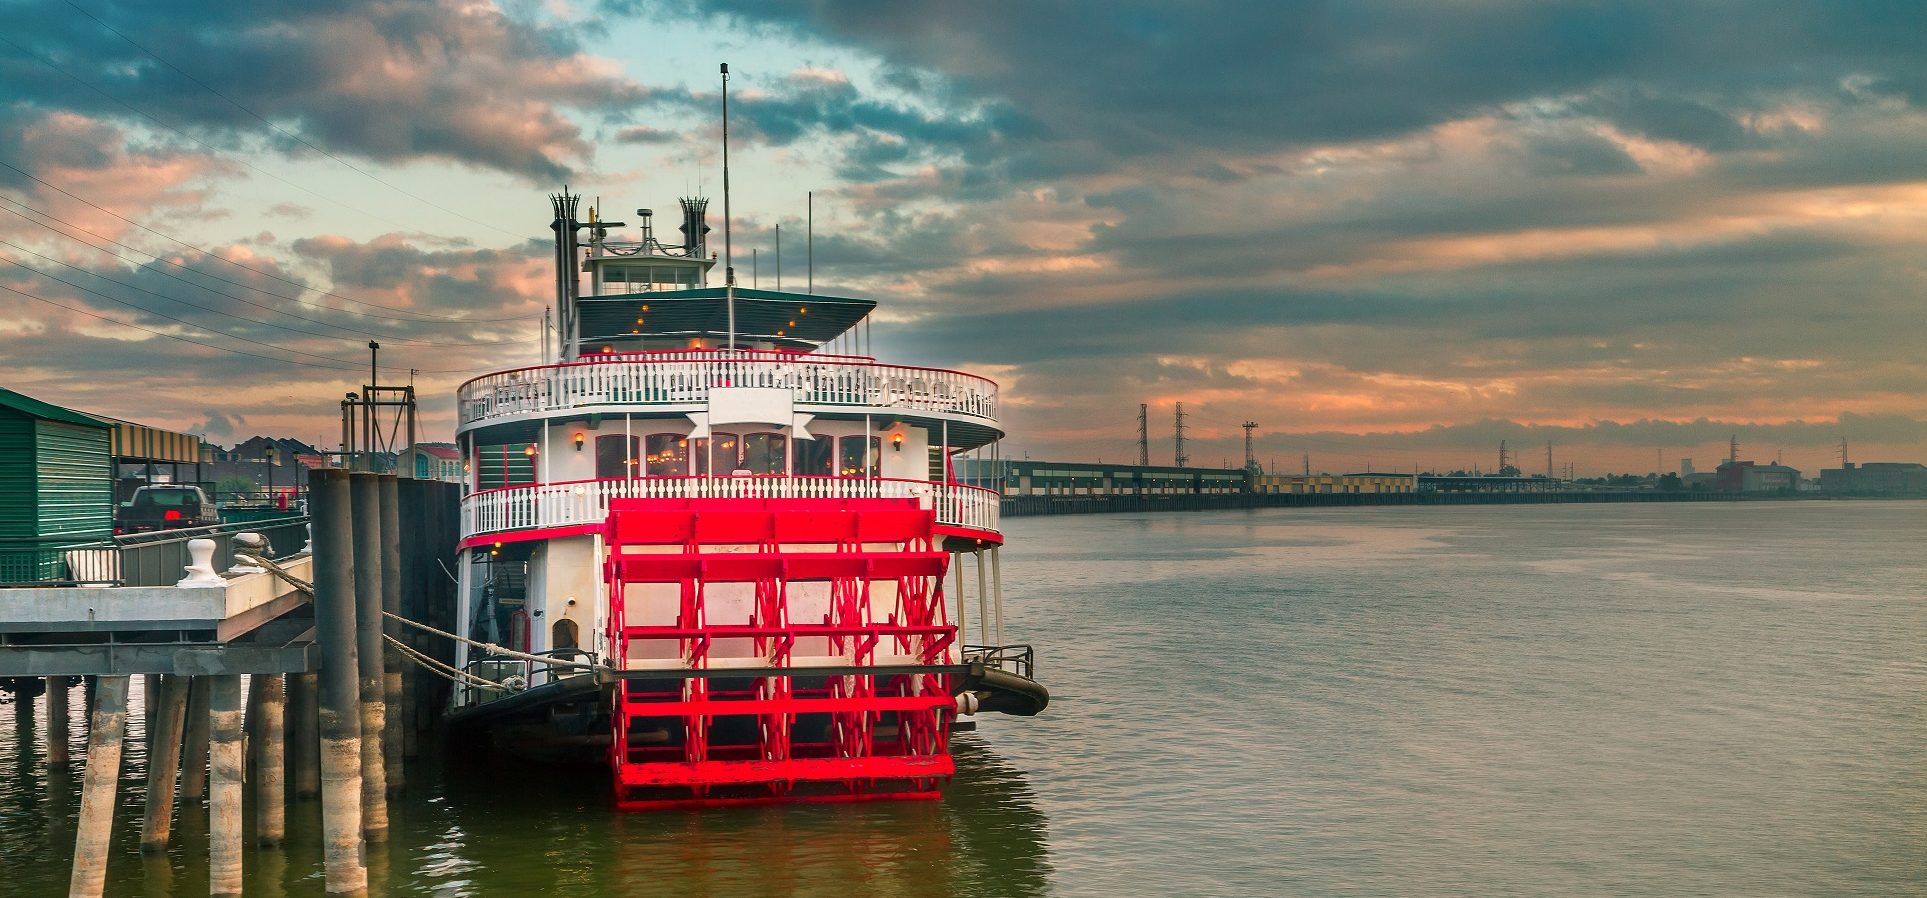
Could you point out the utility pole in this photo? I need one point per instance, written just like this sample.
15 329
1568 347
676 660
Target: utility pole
1179 458
1143 434
1843 452
1549 460
1251 461
1307 463
779 257
1504 457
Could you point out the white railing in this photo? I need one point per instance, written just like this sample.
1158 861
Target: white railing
579 502
684 378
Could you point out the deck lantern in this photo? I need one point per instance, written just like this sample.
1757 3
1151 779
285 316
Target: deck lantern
896 441
579 437
529 450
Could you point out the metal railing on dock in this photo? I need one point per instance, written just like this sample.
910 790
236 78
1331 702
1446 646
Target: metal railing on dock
141 559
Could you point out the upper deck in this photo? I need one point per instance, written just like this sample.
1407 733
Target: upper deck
673 381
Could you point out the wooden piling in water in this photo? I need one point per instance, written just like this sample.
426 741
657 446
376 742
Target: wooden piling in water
107 733
304 742
389 496
56 720
194 753
227 763
270 777
339 714
164 760
365 499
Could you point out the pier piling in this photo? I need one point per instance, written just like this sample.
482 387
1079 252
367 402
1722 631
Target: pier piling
268 743
56 720
365 499
107 733
227 763
339 720
164 760
194 754
389 494
304 743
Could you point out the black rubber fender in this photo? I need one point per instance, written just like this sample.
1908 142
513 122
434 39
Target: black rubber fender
1007 693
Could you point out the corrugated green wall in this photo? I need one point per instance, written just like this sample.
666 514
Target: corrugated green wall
75 477
18 501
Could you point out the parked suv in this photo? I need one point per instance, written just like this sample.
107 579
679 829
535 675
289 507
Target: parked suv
168 508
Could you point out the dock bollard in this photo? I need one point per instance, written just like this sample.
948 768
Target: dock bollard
365 498
339 717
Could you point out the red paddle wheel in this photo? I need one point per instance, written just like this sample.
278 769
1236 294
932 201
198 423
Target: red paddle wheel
777 649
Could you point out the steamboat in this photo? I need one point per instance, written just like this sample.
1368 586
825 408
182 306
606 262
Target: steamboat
714 540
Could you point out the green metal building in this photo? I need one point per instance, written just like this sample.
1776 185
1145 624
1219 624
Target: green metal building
56 486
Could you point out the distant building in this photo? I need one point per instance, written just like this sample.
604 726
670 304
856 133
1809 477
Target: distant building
1747 477
1879 478
436 461
1685 469
1025 477
1364 483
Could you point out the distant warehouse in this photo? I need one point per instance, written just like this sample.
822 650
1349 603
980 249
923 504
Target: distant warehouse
1878 478
1065 478
1367 483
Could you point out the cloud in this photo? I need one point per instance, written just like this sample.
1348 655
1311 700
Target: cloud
374 80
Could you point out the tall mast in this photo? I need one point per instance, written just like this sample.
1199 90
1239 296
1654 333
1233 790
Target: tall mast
729 267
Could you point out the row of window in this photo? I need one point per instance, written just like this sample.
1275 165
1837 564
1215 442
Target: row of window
674 455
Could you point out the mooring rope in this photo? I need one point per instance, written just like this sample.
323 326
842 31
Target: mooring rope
445 671
494 649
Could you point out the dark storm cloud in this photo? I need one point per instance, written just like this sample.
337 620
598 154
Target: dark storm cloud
375 80
1112 81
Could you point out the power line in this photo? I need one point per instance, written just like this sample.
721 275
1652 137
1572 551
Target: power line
139 308
186 136
284 132
424 316
159 333
203 287
202 327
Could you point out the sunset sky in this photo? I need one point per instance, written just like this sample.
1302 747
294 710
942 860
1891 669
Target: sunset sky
1392 233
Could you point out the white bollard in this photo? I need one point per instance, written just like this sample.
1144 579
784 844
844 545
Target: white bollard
201 571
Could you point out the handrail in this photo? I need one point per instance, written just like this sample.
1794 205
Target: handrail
577 502
685 378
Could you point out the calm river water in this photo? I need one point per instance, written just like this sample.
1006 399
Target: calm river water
1533 700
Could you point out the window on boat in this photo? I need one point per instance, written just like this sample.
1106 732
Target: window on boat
668 455
765 453
853 452
725 450
614 459
699 456
504 465
816 458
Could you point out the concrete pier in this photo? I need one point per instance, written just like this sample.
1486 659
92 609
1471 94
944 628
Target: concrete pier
365 501
194 753
164 761
267 743
107 733
57 720
304 741
340 713
227 763
391 660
